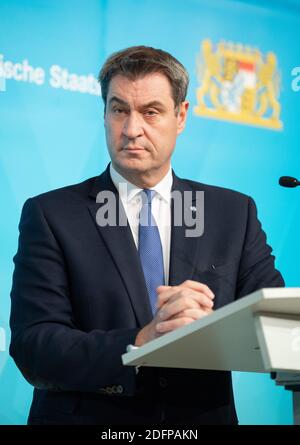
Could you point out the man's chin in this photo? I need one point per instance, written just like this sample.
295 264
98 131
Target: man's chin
133 164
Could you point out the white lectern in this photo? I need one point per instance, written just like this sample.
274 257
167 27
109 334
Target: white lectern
258 333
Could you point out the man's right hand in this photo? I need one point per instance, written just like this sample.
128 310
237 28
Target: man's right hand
177 306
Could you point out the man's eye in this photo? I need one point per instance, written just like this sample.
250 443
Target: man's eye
150 112
118 110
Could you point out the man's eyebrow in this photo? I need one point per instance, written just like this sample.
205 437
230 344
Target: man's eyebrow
153 103
118 100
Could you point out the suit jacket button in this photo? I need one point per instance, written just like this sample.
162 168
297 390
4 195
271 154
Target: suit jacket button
109 390
163 382
119 389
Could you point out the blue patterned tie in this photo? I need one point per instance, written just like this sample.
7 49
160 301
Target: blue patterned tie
150 248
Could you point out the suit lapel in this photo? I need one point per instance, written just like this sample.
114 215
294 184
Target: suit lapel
120 244
183 248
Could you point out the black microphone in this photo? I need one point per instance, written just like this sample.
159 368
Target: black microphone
288 181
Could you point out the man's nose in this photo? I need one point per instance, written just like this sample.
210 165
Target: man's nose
133 126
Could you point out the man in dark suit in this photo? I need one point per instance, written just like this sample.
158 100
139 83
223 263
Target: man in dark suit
83 289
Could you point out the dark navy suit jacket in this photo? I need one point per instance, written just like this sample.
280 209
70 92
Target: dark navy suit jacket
79 298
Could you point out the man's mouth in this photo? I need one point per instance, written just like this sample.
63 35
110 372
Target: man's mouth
133 149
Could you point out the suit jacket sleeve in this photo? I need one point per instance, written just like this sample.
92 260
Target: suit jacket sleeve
46 345
257 268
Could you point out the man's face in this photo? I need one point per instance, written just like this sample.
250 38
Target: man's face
141 124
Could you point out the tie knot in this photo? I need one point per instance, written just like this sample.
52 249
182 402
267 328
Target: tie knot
147 196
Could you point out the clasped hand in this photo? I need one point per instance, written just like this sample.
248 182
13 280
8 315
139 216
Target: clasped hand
176 307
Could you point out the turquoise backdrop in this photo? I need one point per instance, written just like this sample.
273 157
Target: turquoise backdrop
52 135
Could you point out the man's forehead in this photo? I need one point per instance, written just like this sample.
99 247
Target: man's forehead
146 87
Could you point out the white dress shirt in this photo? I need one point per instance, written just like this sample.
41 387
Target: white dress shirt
161 210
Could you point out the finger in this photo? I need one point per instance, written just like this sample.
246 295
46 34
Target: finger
196 314
164 294
171 309
162 288
186 294
182 314
172 293
171 325
159 291
196 285
203 300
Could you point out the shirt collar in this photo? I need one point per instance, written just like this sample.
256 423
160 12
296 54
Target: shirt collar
163 188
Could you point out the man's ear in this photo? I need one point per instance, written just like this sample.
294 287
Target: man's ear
182 115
